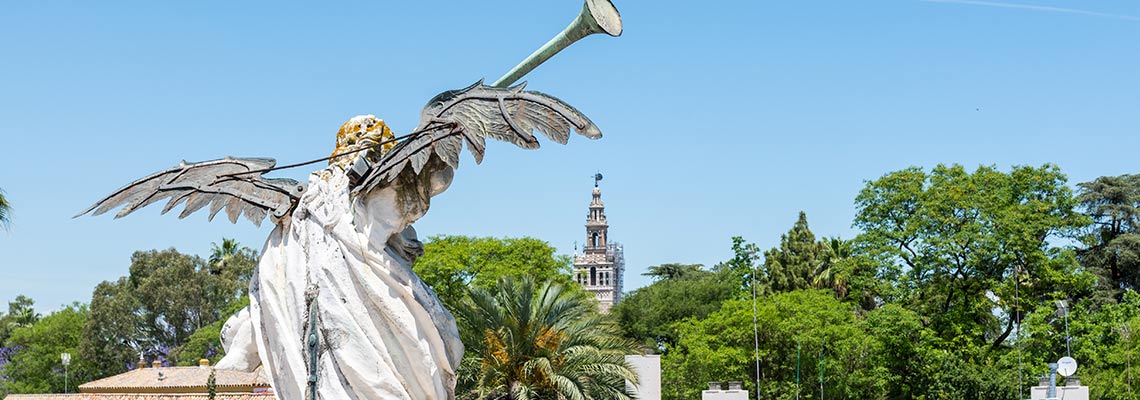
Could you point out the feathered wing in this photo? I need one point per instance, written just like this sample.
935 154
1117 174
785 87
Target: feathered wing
471 115
233 184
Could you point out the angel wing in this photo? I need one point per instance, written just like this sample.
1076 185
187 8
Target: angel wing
234 184
471 115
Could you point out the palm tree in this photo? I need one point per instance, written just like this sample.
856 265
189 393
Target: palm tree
540 341
5 211
21 313
220 255
829 274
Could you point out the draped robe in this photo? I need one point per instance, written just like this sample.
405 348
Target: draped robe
383 332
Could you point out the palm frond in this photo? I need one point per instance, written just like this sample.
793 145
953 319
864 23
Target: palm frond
529 340
5 211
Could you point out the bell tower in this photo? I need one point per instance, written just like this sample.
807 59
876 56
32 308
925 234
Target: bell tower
600 265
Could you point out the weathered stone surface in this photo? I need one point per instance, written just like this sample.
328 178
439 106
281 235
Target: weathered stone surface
383 333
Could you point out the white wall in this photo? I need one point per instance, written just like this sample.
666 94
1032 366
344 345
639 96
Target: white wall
648 369
1063 392
724 395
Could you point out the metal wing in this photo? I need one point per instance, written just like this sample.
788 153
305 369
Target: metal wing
233 184
471 115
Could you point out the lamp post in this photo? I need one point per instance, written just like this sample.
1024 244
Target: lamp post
66 359
1064 306
756 337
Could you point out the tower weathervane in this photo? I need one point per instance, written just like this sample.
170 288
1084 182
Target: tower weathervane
597 177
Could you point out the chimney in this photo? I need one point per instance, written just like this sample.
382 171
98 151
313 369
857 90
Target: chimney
156 364
203 363
141 364
735 385
715 386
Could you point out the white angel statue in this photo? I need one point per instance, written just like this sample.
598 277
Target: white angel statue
335 309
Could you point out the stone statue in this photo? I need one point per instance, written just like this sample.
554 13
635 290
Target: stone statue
335 309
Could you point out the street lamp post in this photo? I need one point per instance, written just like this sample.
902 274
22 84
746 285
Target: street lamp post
1064 306
66 359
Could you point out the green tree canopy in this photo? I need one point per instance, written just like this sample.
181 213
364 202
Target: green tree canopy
206 341
1113 247
21 313
233 262
114 336
452 264
719 348
798 260
650 314
671 271
743 266
1102 341
36 366
957 241
167 297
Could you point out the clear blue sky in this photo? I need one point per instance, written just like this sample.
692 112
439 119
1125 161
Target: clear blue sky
720 118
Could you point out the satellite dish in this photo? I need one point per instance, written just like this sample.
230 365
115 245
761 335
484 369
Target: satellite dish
1066 366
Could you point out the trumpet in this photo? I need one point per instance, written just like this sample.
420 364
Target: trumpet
597 16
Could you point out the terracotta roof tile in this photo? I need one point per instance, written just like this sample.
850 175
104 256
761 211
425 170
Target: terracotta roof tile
130 396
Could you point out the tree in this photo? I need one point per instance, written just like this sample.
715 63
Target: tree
1099 344
206 341
5 211
798 262
234 263
852 274
650 314
527 340
178 293
802 262
906 348
21 313
452 264
962 243
114 336
671 271
166 299
219 255
1113 245
743 265
36 366
828 276
720 348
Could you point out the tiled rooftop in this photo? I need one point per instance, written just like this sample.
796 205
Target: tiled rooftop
141 396
176 380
